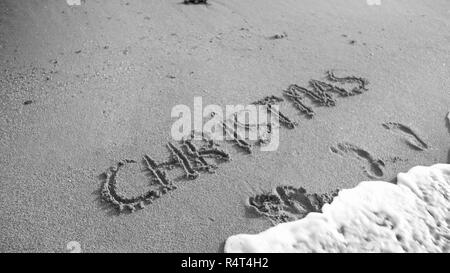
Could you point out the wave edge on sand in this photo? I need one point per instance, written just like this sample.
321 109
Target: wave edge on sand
375 216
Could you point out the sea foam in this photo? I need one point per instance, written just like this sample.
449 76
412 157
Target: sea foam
375 216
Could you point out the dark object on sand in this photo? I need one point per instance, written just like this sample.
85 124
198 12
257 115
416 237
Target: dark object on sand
27 102
195 2
278 36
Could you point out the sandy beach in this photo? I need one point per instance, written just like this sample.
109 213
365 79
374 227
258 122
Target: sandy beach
83 88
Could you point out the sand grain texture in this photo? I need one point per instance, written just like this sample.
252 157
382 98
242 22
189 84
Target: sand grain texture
85 87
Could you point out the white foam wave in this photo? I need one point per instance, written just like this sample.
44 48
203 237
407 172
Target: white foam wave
375 216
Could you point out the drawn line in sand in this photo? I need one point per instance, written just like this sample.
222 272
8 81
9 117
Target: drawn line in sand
283 119
375 166
183 160
410 137
193 161
240 141
110 193
322 87
268 100
296 98
362 82
215 153
199 154
199 159
320 92
288 203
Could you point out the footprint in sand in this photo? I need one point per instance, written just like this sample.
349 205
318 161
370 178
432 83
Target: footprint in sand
288 203
374 168
411 138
